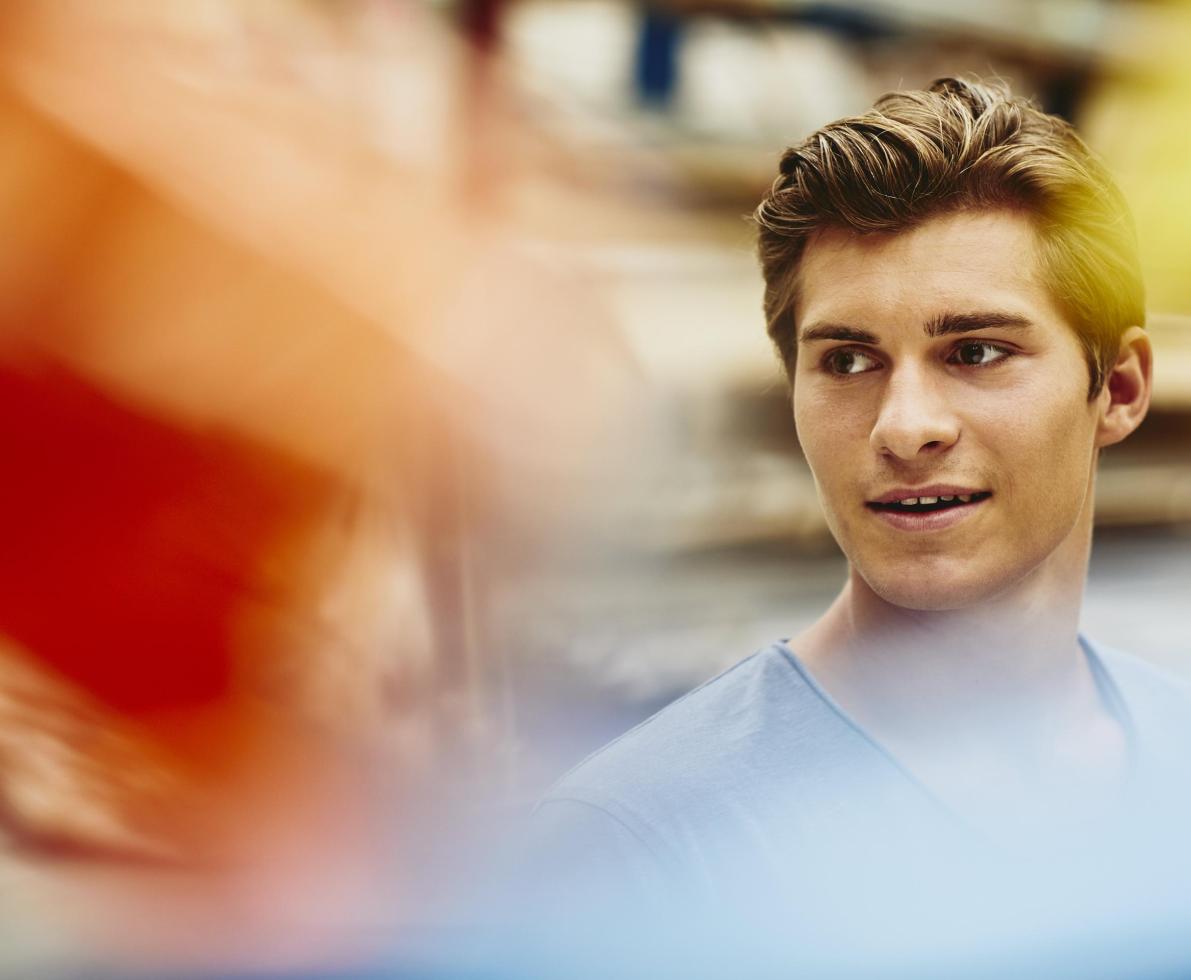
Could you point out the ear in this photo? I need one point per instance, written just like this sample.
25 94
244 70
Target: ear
1126 395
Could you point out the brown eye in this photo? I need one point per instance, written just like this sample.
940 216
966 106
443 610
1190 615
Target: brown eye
978 354
849 362
842 361
972 353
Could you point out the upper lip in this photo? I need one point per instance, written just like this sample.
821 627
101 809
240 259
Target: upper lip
934 490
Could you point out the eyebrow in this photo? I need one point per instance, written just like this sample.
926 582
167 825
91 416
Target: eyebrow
949 323
939 326
836 331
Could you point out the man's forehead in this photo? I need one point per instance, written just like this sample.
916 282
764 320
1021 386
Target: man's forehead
979 260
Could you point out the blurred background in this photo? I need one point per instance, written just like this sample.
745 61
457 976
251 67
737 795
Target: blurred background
683 107
389 419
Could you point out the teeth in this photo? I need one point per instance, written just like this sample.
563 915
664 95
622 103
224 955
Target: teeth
963 498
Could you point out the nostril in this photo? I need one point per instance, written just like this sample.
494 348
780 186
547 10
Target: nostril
906 435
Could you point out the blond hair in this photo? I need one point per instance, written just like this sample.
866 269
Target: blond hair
960 145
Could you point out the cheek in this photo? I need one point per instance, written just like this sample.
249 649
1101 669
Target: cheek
834 440
1043 453
829 431
817 440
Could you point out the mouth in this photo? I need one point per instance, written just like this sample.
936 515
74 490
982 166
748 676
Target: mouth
928 504
929 509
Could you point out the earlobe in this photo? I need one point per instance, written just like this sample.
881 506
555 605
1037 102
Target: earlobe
1126 398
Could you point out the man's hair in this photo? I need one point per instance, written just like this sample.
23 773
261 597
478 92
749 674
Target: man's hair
960 146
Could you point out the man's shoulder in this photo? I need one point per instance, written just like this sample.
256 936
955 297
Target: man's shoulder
735 730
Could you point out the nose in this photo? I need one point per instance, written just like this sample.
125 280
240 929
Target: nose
915 418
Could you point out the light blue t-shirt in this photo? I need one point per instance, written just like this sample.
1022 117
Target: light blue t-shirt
755 806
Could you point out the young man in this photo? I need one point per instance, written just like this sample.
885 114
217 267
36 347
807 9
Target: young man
952 285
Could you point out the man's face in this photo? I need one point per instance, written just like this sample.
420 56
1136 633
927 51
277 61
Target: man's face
933 364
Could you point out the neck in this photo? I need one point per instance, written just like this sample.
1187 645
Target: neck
993 705
914 673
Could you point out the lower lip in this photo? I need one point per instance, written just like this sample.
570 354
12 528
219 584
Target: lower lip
931 520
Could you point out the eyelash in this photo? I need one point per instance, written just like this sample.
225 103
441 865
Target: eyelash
1004 352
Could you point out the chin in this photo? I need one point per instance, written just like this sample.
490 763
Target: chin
911 589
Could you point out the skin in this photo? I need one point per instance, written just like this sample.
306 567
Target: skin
965 627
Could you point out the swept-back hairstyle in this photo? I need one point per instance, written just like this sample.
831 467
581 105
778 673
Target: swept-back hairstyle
959 145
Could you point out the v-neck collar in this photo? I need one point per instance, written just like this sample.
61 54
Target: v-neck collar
1106 686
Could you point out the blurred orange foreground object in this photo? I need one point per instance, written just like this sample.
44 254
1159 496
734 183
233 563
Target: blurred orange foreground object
201 596
132 544
264 373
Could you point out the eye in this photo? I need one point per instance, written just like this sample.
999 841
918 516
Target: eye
978 353
847 361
